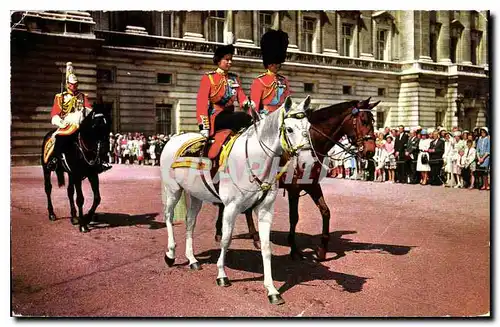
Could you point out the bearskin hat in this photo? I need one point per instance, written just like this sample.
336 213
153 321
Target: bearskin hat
221 51
274 45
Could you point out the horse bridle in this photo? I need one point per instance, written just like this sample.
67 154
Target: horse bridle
358 141
82 145
288 148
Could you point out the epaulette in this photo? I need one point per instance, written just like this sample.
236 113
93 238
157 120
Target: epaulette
262 75
210 73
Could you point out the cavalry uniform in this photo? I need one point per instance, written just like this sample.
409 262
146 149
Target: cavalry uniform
269 91
215 102
68 111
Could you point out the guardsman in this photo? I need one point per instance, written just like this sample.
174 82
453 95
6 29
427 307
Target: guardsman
219 89
270 89
68 110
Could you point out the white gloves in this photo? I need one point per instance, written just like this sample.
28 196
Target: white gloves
56 120
204 133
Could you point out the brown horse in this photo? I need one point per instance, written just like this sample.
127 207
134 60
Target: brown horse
328 125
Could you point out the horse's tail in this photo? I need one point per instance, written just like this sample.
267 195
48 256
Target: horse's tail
60 176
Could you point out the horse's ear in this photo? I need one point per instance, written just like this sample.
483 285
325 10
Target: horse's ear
368 100
288 103
306 103
373 105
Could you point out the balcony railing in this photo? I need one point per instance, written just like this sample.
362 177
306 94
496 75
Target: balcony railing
120 39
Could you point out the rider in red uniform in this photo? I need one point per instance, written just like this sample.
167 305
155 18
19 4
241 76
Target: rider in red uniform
66 105
270 89
219 89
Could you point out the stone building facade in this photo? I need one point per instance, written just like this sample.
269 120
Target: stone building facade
428 68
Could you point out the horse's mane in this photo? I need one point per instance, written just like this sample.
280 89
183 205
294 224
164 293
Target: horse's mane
335 110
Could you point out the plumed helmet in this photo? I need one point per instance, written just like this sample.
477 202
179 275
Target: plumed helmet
274 44
221 51
70 73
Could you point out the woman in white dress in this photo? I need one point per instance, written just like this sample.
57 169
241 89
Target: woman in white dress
423 157
380 158
449 156
470 162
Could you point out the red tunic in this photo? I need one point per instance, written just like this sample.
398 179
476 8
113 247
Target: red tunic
64 103
269 91
218 91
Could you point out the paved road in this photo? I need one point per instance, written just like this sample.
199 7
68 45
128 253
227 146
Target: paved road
396 250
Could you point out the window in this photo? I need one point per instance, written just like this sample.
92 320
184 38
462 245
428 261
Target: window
163 119
381 41
105 75
433 34
164 78
216 21
433 45
474 46
440 93
453 49
167 23
381 92
308 87
380 119
308 34
265 22
439 118
347 31
347 89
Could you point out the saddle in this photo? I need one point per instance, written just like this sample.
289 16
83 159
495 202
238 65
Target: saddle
216 149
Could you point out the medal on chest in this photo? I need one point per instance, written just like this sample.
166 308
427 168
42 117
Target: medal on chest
232 84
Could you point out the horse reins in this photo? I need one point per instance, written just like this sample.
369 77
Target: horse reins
358 141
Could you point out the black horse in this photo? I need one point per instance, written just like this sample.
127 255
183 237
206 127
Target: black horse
82 153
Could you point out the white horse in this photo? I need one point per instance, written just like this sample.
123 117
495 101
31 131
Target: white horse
241 184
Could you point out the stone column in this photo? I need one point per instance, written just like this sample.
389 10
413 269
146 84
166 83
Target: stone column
193 25
407 31
366 36
424 44
289 25
465 55
243 27
482 56
329 30
443 41
452 109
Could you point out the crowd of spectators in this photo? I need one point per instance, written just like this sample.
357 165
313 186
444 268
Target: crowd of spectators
136 148
456 158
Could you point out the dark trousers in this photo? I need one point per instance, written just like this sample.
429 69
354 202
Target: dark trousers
400 170
436 166
412 171
233 120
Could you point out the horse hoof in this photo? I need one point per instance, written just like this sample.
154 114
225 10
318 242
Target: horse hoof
84 229
297 255
224 281
52 217
74 221
168 261
320 254
276 299
218 238
256 244
195 266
